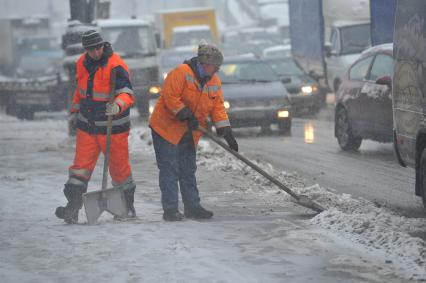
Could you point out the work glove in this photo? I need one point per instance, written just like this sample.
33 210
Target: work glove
186 115
72 120
112 108
226 132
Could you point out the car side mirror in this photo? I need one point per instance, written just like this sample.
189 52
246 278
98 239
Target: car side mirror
385 80
286 80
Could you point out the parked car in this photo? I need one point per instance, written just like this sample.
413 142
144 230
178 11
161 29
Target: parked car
363 101
254 95
305 94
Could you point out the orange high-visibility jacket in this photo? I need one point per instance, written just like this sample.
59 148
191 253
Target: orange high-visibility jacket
91 106
181 89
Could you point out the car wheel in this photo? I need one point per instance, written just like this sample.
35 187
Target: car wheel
344 134
423 176
284 127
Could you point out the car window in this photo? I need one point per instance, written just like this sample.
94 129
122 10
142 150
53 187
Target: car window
286 68
246 71
359 70
382 66
355 38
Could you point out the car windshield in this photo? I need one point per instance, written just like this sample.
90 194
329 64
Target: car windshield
130 40
238 72
42 61
286 68
355 38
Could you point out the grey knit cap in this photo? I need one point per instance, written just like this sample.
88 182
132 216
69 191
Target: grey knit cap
91 38
209 54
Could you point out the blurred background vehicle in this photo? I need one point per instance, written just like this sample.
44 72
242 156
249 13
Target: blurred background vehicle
306 96
254 95
363 101
181 27
409 90
337 35
31 63
248 40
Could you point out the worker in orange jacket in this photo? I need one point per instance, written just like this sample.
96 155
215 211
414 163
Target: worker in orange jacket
89 111
191 94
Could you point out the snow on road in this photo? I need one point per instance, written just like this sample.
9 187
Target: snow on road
257 235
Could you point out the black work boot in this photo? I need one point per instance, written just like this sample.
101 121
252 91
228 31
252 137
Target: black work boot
172 215
74 195
197 212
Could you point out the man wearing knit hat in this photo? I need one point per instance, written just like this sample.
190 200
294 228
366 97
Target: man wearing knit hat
89 111
191 94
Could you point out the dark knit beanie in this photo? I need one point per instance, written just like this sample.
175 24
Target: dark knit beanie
91 38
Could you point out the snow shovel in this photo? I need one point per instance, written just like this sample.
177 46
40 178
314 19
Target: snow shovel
300 199
111 200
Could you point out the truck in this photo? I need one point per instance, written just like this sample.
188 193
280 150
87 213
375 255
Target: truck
409 89
337 36
184 27
133 39
31 65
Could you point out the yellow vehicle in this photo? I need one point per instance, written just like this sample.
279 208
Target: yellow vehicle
185 27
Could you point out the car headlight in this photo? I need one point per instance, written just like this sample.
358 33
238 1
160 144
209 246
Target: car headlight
308 89
154 90
283 114
226 104
151 109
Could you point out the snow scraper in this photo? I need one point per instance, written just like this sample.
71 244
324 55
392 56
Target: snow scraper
300 199
111 200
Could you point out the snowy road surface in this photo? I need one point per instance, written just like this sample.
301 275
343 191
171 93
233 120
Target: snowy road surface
256 235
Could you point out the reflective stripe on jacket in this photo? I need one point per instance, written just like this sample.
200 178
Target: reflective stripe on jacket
92 94
181 88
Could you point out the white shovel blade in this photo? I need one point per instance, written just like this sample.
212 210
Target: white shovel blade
111 200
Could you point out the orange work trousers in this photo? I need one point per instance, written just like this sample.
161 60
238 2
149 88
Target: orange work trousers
87 152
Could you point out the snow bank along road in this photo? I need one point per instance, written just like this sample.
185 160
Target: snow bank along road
256 235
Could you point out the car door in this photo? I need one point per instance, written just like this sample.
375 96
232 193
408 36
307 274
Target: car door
355 101
378 98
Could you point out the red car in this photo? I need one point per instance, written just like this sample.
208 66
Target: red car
363 101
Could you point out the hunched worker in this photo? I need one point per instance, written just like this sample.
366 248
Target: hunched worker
191 93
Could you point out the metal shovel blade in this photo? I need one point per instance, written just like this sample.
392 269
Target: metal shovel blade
111 200
309 203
